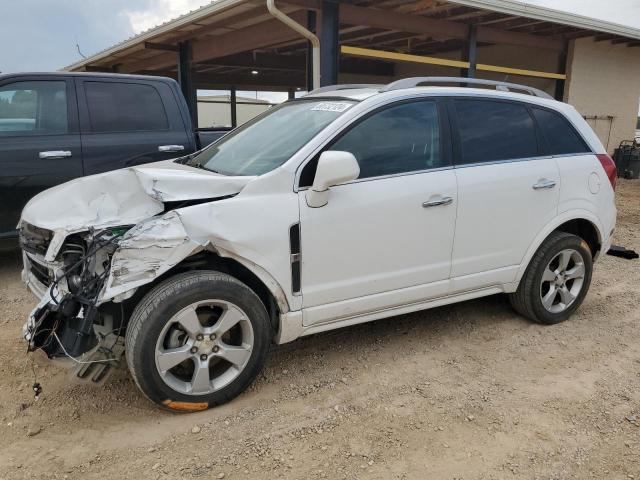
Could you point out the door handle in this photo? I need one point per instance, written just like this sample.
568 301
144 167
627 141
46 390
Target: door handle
54 154
170 148
544 183
438 202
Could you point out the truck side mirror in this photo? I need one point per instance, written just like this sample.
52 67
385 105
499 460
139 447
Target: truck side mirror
334 168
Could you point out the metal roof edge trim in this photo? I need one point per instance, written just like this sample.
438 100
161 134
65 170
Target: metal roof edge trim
552 15
214 7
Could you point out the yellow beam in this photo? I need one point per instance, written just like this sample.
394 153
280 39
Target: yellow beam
403 57
520 71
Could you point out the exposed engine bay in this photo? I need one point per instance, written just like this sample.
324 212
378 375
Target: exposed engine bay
71 323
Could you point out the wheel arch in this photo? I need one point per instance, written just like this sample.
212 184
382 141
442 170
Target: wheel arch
267 289
582 223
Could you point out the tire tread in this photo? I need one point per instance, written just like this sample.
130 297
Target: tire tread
172 287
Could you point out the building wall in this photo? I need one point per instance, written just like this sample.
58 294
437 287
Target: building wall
604 82
216 111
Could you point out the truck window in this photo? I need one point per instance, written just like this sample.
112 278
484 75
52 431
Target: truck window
124 107
33 108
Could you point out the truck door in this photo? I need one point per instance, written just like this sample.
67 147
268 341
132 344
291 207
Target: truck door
129 122
39 141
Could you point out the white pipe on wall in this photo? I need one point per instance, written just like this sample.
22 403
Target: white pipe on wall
315 41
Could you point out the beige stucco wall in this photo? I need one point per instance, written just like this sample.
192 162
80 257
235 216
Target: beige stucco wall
604 81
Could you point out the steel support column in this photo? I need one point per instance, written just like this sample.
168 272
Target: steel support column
185 79
233 102
562 68
311 26
470 53
329 48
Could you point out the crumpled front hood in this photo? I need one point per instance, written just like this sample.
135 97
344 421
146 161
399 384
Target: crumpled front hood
126 196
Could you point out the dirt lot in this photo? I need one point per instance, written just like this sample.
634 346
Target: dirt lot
470 391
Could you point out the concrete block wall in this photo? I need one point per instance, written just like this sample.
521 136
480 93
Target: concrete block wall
603 81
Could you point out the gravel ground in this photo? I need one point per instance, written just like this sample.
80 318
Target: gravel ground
469 391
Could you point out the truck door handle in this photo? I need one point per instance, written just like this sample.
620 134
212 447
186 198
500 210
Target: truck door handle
170 148
54 154
438 202
544 183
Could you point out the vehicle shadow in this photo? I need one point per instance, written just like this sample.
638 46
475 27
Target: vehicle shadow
475 321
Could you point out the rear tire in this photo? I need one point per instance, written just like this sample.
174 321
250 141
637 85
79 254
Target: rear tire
556 280
197 340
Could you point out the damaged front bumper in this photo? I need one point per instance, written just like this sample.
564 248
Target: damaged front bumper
91 269
35 272
68 288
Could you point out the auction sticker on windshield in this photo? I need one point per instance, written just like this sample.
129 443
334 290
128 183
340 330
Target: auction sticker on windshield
331 107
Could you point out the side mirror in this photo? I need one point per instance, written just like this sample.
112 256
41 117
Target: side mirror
334 167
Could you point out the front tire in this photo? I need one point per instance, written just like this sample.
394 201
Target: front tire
556 280
197 340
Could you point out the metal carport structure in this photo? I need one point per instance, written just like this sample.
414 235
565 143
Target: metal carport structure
238 44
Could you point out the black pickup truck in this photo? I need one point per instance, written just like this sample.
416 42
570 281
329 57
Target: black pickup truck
58 126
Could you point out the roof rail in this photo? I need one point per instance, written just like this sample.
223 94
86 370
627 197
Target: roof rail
347 86
503 86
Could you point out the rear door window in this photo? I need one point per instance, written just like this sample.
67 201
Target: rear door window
124 107
561 137
491 131
34 108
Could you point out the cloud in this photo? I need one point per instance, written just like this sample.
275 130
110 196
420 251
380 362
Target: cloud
624 12
146 17
41 35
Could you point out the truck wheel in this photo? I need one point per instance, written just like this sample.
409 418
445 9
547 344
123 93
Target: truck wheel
197 340
556 280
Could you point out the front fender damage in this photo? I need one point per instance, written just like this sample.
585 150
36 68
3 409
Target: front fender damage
147 251
154 247
130 259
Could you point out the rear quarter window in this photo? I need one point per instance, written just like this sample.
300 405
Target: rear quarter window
561 137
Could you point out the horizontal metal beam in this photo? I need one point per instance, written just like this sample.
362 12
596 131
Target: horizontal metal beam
249 38
262 35
242 81
391 20
403 57
270 61
161 46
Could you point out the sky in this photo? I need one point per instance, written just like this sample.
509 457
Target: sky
42 35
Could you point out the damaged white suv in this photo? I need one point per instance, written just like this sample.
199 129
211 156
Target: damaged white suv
350 204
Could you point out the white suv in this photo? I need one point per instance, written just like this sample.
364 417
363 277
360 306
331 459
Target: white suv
350 204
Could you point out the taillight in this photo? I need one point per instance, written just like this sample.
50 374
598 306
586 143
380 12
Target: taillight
609 168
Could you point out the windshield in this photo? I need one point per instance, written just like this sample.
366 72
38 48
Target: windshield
271 139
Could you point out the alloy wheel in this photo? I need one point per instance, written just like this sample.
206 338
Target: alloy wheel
204 347
562 280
